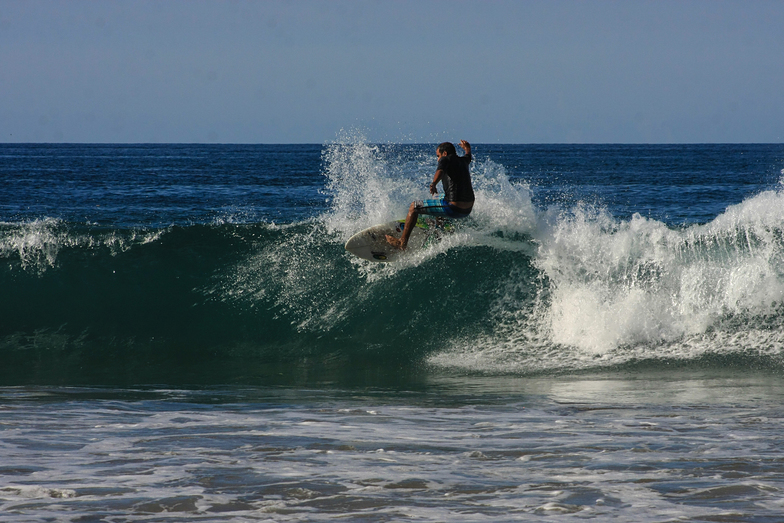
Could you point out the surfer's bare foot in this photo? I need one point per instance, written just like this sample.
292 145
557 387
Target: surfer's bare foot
397 243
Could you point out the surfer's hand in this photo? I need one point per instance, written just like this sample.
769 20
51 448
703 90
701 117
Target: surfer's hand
466 146
433 189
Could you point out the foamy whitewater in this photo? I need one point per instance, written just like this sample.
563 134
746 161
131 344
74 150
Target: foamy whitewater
184 337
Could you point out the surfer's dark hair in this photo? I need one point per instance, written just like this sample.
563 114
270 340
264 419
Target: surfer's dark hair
449 147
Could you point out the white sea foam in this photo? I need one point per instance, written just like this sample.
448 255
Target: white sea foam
619 290
604 449
618 283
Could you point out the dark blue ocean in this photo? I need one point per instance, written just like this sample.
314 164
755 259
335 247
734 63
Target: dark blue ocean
183 336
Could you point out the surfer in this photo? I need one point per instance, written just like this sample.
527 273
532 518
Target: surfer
452 172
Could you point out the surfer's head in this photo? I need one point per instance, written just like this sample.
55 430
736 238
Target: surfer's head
446 147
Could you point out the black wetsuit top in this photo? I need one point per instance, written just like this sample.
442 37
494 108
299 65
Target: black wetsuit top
456 178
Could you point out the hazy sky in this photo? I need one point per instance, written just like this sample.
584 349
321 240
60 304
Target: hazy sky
490 71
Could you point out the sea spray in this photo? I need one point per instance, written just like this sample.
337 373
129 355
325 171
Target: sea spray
34 246
368 184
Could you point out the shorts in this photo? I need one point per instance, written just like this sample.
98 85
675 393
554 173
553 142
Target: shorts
439 208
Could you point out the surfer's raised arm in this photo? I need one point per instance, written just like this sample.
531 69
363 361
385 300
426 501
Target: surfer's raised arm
465 146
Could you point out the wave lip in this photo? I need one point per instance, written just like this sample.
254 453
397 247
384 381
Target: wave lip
35 243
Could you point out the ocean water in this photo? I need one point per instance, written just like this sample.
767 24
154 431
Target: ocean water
184 338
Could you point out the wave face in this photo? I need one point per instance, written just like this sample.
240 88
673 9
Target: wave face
541 278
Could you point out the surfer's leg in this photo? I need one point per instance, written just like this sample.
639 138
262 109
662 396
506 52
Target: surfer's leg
411 220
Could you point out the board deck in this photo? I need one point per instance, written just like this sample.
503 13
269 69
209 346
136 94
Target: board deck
371 244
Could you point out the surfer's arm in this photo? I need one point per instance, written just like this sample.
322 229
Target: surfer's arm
436 179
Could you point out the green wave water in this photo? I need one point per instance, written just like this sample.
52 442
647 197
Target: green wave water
208 303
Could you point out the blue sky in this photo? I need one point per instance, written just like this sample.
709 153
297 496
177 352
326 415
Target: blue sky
395 71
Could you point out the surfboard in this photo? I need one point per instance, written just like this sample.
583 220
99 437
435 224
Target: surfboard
371 244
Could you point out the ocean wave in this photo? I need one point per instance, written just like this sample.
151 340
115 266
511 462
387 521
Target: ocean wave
516 289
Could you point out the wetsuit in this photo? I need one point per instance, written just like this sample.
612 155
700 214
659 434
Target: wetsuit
456 180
